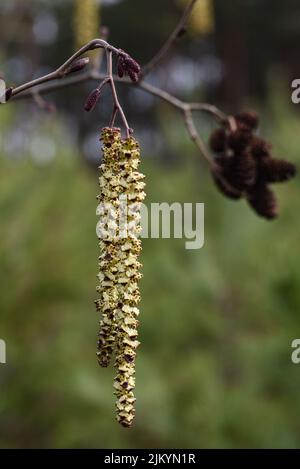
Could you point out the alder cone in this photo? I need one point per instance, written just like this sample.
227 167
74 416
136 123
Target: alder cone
242 171
217 140
247 120
239 140
260 148
263 201
221 179
274 170
225 189
246 167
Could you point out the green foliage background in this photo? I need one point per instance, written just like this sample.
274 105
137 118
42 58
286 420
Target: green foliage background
214 367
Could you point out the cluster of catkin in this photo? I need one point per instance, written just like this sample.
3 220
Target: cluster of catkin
121 195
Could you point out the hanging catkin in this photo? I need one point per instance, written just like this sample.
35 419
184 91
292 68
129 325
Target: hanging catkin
121 195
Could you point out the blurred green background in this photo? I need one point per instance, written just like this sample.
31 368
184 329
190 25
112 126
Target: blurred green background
214 368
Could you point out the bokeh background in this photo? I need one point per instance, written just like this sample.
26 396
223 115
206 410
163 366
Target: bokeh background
214 368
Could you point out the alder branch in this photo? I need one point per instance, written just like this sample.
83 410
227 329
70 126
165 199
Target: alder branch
186 108
170 41
264 205
196 138
61 71
58 79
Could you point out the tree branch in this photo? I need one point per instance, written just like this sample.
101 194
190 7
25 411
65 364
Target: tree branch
195 137
170 41
58 79
60 71
184 107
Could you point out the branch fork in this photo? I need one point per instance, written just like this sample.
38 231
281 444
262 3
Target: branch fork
60 78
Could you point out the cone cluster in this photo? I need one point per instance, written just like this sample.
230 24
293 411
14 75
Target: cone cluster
126 65
246 167
119 268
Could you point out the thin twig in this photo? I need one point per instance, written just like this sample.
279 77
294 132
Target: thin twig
60 71
170 41
117 105
53 81
58 79
195 137
216 170
210 109
185 108
113 117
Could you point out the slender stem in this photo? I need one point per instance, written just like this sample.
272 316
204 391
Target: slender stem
57 85
185 108
162 94
195 137
209 108
117 105
24 91
33 83
113 117
51 82
170 41
147 87
103 83
60 71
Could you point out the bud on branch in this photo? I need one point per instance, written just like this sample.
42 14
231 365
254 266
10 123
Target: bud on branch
92 100
77 66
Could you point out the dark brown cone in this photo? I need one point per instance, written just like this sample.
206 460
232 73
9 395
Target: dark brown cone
272 170
221 180
247 120
239 140
225 189
217 140
242 171
263 201
260 148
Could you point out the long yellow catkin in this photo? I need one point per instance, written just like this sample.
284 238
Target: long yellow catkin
120 182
